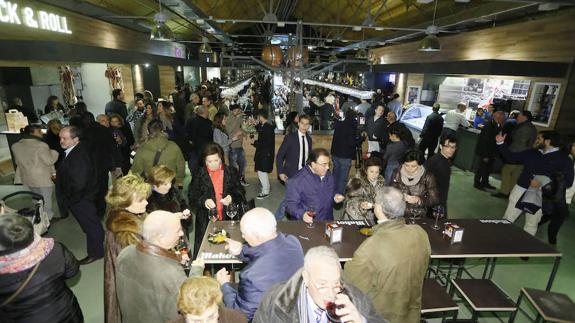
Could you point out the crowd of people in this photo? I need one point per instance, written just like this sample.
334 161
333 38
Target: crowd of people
140 224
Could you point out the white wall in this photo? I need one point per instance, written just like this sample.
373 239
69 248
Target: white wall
96 88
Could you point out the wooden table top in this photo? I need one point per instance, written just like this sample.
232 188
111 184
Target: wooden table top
481 238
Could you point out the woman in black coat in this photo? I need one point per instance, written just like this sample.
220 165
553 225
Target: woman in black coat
46 297
265 151
214 186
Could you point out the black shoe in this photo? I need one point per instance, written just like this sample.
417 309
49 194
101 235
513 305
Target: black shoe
524 258
88 260
243 182
262 196
489 186
500 195
479 187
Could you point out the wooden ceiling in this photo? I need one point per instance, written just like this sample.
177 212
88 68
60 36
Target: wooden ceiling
384 13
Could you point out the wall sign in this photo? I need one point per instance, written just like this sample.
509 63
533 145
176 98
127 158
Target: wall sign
11 13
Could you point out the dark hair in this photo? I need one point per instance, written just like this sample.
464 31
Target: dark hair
212 148
395 129
315 153
138 100
16 233
350 114
450 138
553 136
395 96
75 132
291 117
436 107
263 113
527 114
81 108
116 92
218 121
155 127
232 107
371 161
50 99
305 116
87 119
29 129
413 155
117 116
139 96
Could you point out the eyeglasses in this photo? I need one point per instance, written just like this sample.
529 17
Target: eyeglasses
336 288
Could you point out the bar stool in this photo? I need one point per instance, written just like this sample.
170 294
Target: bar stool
550 307
434 299
483 295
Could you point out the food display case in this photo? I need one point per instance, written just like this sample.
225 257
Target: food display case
414 117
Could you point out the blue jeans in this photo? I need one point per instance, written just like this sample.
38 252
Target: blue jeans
341 168
281 211
238 160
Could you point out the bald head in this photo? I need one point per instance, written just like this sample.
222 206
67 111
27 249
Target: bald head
162 228
258 225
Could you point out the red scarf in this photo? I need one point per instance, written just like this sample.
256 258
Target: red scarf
217 177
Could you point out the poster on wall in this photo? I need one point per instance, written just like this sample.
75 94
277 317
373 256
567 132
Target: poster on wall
474 86
413 93
543 101
478 93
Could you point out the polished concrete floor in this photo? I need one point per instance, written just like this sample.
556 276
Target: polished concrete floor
464 202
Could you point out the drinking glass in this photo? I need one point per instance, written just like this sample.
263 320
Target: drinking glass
311 212
183 248
437 213
232 211
331 307
213 215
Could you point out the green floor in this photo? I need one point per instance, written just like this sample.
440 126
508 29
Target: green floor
464 202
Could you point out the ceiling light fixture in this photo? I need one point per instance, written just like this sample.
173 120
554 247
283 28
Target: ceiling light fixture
205 48
333 58
361 54
161 31
431 43
356 28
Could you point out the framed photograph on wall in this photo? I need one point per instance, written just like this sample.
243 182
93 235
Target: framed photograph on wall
413 94
543 99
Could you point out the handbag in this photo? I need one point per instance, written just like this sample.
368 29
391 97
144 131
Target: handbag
21 288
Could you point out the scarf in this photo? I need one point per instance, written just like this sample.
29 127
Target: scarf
28 257
410 180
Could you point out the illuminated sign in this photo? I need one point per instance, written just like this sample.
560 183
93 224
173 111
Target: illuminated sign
10 13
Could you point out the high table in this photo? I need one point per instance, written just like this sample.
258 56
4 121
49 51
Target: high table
490 239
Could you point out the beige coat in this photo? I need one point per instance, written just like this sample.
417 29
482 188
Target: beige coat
34 162
389 267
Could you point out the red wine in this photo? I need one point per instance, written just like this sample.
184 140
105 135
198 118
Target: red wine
311 213
330 311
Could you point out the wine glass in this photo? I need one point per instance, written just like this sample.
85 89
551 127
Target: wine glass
437 213
213 215
415 213
183 249
311 212
232 211
331 307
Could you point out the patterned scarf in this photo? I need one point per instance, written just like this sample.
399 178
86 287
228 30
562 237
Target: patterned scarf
26 258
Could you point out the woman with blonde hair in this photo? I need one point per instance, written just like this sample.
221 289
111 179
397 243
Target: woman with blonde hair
200 300
165 196
126 211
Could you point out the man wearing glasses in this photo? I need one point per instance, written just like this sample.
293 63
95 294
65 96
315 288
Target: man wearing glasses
311 192
316 294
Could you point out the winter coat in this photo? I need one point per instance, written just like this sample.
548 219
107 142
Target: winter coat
233 125
172 201
360 189
265 148
305 189
116 107
389 267
223 139
425 189
76 178
270 263
122 229
345 140
46 298
34 162
201 189
280 303
148 285
486 147
522 137
200 132
432 127
171 157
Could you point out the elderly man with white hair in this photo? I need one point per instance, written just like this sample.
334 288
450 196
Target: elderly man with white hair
389 267
270 256
149 274
308 294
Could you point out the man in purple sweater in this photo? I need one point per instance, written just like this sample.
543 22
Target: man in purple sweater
544 160
312 187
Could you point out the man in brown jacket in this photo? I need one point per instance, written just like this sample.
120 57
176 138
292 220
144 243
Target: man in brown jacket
390 266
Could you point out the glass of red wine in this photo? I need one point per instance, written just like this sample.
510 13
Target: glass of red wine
311 212
331 307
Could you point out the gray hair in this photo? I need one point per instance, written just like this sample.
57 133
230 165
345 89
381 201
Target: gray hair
200 110
259 222
391 201
154 224
320 254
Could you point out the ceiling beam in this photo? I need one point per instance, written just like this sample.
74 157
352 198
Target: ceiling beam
191 12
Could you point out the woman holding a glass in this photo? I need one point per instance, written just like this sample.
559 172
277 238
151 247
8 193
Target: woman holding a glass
214 188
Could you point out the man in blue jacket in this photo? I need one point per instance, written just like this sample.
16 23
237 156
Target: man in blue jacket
271 258
544 160
313 187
